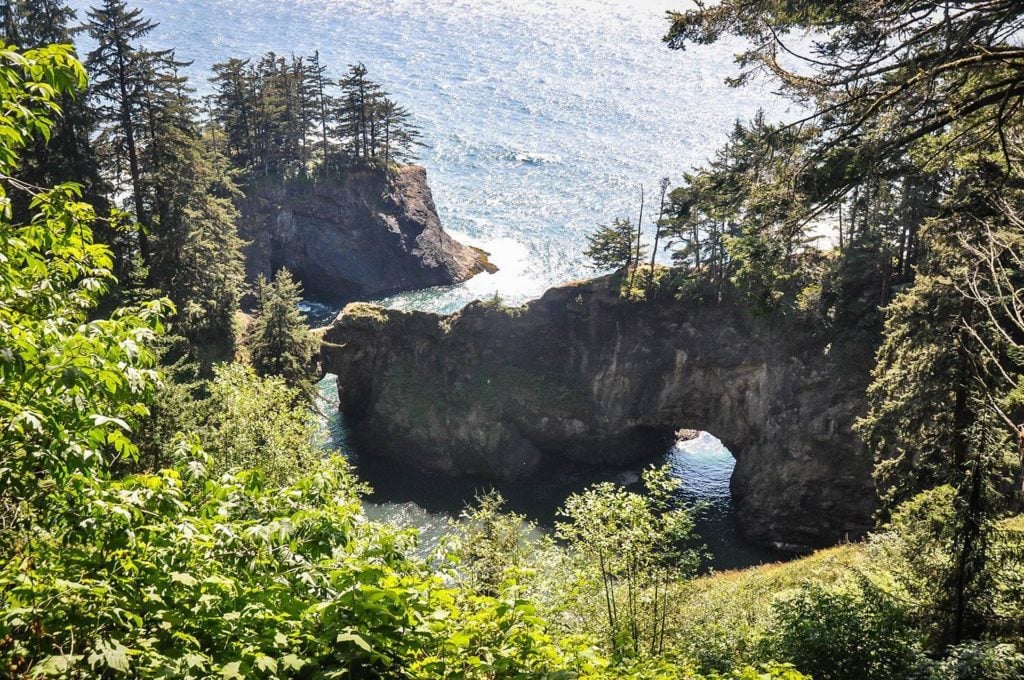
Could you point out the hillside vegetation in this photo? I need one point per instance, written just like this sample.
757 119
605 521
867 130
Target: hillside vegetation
165 513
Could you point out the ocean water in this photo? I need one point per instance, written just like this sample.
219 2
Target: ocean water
432 501
541 119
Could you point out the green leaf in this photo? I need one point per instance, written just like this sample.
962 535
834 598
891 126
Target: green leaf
56 666
266 663
355 639
115 655
291 662
232 671
186 580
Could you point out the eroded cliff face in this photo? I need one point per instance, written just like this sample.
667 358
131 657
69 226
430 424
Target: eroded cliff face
585 376
365 234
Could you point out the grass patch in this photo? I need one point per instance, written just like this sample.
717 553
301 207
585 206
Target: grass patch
365 310
725 617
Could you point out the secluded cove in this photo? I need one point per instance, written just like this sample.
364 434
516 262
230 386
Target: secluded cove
429 502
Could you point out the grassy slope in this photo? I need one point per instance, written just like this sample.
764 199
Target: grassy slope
723 617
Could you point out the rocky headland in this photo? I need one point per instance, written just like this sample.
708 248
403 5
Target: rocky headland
365 234
584 376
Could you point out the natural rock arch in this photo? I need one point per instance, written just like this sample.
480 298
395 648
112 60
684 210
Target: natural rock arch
582 375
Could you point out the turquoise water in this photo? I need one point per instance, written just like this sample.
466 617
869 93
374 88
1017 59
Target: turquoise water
541 119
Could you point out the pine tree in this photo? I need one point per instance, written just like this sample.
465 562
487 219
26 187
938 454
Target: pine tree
399 136
911 140
281 342
196 256
611 246
355 113
234 110
322 104
200 263
122 71
658 225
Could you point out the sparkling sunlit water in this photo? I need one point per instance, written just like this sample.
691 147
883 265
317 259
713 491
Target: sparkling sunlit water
541 119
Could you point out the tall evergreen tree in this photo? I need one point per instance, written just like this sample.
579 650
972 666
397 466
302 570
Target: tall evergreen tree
399 136
281 342
122 70
196 254
323 104
234 109
355 112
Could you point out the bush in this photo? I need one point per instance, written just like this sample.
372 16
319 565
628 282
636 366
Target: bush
837 633
263 424
981 661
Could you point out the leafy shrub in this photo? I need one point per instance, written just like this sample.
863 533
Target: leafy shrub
980 661
180 574
629 550
249 422
835 633
492 547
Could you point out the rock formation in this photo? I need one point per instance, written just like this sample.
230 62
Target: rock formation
584 376
365 234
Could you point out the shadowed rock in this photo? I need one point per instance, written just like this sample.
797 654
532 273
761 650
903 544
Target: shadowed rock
584 376
365 234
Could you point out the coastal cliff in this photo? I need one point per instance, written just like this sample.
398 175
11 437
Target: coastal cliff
364 234
584 376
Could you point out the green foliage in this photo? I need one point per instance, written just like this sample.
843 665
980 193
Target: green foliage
281 343
630 547
71 386
723 620
833 633
254 423
67 156
917 551
182 573
285 118
492 548
975 660
197 253
610 247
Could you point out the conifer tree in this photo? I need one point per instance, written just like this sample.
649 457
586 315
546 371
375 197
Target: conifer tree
355 113
122 71
198 253
611 246
281 342
234 109
323 103
399 136
196 256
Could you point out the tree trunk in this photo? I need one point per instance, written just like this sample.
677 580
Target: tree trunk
639 231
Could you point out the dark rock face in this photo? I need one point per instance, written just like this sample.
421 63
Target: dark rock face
582 375
366 234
